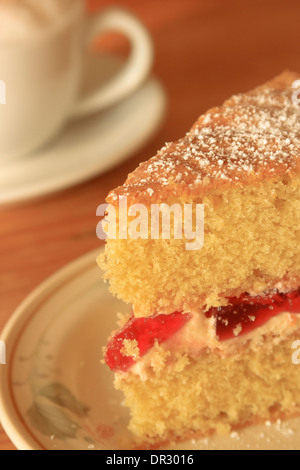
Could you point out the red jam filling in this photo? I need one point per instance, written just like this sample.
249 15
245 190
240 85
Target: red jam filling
247 313
239 317
145 331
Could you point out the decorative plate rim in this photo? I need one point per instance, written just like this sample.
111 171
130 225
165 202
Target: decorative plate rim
10 417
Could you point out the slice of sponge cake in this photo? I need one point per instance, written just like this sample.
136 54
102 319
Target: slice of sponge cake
209 344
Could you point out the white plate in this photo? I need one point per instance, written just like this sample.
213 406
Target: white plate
55 392
90 146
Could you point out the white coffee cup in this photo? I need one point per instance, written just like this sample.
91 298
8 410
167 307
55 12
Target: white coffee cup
41 75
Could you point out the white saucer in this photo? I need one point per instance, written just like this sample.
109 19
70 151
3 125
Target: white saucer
88 147
56 394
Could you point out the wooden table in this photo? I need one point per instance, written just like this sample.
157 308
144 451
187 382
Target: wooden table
206 50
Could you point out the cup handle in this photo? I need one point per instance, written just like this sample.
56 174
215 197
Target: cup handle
135 71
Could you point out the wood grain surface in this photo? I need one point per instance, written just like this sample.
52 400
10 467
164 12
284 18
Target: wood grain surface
206 50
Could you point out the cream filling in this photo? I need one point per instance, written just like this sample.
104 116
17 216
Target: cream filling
199 334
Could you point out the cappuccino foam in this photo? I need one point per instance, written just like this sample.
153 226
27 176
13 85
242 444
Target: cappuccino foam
20 19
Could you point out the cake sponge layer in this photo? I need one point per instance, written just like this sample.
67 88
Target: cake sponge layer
242 162
212 394
251 244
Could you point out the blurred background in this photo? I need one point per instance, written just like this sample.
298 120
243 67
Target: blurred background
205 51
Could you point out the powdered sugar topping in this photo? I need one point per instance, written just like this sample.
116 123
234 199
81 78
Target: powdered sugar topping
252 135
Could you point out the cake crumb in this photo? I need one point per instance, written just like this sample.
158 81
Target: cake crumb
181 362
123 318
159 358
131 348
237 330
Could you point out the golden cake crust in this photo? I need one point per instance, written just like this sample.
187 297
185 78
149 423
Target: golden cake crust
253 137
